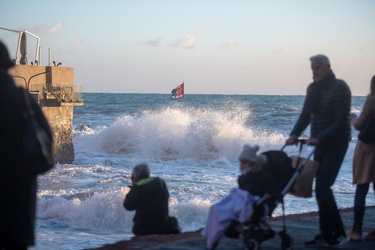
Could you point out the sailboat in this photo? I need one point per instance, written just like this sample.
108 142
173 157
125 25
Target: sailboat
178 92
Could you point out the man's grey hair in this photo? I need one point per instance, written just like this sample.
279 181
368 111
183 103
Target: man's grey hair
141 171
321 58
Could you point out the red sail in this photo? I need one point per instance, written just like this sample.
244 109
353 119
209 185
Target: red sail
178 92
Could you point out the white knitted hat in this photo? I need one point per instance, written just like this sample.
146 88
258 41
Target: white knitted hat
249 153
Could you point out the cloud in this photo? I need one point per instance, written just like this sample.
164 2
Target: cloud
187 42
205 31
75 46
228 45
43 30
281 50
55 28
151 43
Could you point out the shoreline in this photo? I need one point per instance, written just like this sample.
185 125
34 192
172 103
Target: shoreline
157 241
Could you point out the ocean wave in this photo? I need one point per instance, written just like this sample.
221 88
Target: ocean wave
100 211
176 131
105 211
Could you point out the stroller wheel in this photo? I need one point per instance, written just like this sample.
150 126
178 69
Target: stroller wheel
251 244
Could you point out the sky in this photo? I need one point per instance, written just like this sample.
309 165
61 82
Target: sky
213 46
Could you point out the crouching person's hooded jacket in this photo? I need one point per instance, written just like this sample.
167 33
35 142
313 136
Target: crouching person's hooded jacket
149 198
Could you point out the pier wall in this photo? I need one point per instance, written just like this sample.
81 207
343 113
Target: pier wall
61 120
56 102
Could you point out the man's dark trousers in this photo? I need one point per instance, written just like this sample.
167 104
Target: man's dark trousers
330 160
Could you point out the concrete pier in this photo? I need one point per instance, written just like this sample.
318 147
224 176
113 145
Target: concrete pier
301 227
57 94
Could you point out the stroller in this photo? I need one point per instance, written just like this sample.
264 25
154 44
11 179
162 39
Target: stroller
256 229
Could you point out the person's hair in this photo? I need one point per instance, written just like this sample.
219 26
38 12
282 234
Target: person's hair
321 58
372 86
141 171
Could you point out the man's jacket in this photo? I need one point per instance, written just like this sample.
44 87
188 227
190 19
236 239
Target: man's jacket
330 124
149 198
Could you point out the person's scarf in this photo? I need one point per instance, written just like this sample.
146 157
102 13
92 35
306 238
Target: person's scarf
314 96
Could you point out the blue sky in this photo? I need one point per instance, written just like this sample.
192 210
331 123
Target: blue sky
215 47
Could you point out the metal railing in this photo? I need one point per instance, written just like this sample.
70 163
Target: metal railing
78 91
59 91
49 54
20 44
63 91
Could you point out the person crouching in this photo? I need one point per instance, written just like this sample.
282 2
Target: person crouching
149 198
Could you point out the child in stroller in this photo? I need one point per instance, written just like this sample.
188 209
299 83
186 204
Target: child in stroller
243 214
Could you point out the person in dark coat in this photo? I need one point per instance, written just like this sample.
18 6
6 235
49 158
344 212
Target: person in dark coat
255 178
18 180
363 167
327 110
149 198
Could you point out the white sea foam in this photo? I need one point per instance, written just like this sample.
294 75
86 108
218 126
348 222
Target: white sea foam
105 212
101 211
191 214
178 132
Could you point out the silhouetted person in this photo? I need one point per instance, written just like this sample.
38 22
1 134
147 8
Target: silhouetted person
327 110
18 178
149 198
363 166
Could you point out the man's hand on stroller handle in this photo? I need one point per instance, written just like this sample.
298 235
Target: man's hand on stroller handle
293 139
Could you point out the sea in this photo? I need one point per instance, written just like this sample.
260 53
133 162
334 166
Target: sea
192 143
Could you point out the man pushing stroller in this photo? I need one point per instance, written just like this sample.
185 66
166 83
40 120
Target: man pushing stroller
254 183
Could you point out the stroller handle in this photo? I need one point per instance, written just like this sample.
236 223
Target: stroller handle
299 167
298 141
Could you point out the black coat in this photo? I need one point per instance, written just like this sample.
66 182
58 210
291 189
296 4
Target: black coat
331 123
149 198
18 185
257 183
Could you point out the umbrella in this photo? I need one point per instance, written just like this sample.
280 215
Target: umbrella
23 48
